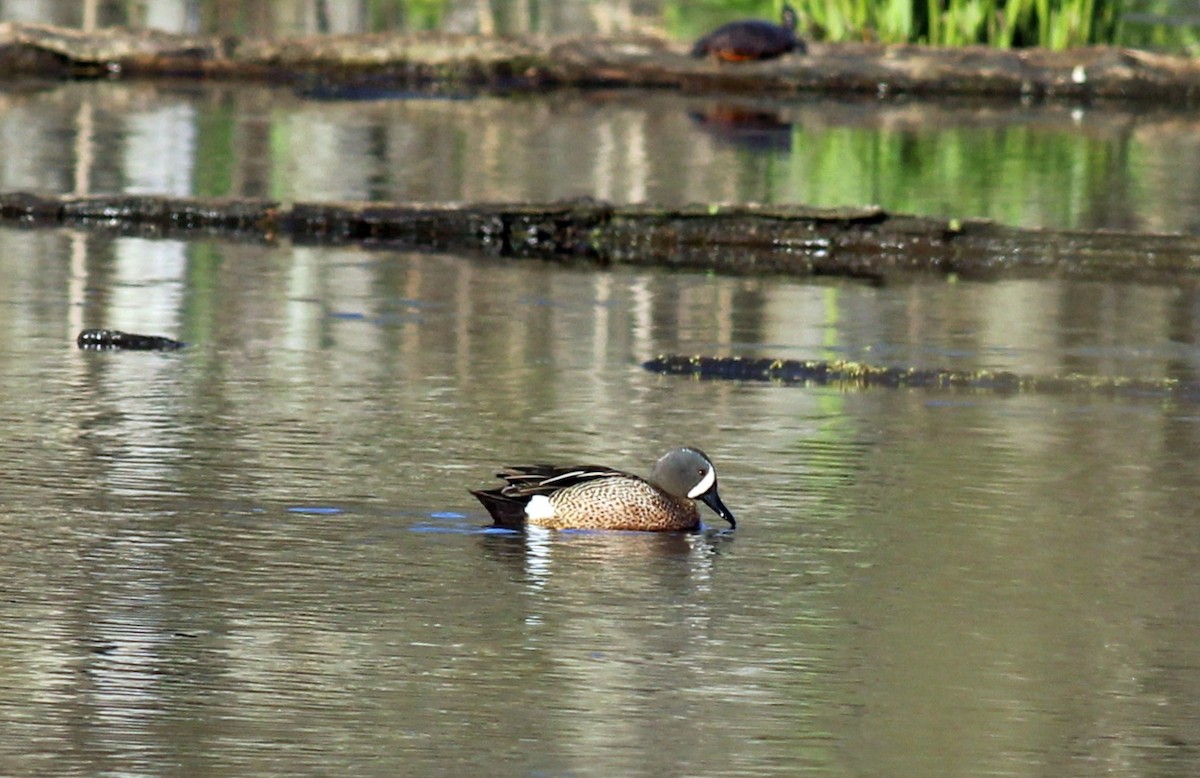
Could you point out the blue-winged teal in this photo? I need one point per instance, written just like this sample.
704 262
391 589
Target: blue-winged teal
588 497
751 40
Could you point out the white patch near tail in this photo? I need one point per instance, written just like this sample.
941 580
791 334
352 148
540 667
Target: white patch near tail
705 484
539 508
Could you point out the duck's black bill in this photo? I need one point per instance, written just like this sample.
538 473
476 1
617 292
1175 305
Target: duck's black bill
713 500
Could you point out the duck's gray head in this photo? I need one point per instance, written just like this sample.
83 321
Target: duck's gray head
687 472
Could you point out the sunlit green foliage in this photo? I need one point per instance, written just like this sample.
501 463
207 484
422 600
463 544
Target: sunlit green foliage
1166 25
1004 23
409 14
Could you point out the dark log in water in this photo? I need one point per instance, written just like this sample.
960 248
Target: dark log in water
857 375
114 340
438 61
791 240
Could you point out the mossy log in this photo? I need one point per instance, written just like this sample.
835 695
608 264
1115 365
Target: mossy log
857 375
440 60
867 243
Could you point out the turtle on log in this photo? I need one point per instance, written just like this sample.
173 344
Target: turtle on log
752 39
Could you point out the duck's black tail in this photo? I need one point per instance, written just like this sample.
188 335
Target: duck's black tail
507 512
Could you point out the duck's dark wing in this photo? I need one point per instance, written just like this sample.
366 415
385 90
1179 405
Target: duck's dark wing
527 480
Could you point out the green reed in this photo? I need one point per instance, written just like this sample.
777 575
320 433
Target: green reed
1165 25
1053 24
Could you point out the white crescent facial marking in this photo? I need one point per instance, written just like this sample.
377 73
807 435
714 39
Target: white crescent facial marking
705 484
539 508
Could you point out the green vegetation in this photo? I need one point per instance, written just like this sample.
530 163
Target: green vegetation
1165 25
1056 24
1005 23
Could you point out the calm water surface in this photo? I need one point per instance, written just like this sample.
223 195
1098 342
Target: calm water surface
1085 167
258 555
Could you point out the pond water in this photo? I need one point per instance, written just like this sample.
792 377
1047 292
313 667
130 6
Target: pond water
258 555
1025 165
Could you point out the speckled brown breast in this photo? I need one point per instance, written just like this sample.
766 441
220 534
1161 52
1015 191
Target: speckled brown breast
620 503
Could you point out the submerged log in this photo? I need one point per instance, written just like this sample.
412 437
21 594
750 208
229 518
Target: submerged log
857 375
867 243
442 60
115 340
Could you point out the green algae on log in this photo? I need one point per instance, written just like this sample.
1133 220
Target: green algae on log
442 60
867 243
858 375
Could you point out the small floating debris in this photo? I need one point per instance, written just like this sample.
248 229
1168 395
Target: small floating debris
106 340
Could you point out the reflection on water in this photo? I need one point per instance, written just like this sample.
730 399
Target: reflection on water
259 555
1026 165
745 126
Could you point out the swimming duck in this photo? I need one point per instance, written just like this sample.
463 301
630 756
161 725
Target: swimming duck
589 497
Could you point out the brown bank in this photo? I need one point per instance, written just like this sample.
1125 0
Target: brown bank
440 60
